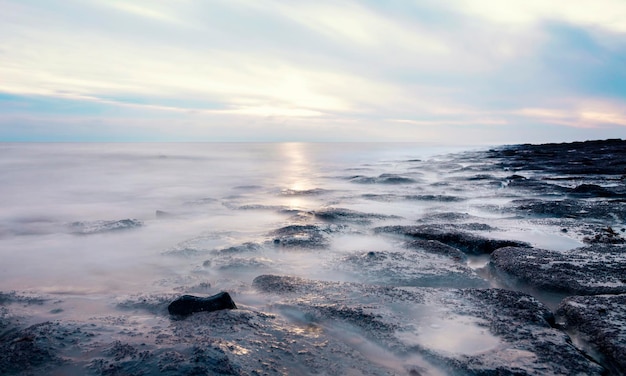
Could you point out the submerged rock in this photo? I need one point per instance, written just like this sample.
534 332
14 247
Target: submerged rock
347 215
467 242
409 268
188 304
382 179
302 236
600 323
597 269
96 227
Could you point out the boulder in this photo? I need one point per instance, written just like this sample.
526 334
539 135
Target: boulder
188 304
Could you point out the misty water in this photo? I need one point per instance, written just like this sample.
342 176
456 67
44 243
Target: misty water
89 226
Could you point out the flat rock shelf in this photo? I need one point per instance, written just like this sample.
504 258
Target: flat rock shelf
507 261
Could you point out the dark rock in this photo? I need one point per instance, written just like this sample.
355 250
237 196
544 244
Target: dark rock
592 190
600 323
602 157
450 235
597 269
441 198
569 208
188 304
347 215
605 236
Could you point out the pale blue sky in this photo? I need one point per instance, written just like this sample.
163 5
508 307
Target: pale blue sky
448 71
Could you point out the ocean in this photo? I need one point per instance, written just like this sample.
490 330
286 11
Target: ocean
106 234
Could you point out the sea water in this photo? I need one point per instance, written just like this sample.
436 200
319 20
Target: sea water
91 224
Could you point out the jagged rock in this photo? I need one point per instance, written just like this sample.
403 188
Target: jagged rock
605 236
450 235
188 304
600 323
597 269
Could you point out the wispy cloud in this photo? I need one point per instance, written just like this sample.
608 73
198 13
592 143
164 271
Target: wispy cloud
402 66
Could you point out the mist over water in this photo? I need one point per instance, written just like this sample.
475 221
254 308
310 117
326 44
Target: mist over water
197 189
94 224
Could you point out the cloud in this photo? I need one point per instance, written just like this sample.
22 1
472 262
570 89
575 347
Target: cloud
360 65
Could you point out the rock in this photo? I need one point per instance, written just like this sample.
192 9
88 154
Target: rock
188 304
600 323
382 179
592 190
605 236
347 215
241 248
467 242
597 269
468 331
569 208
601 157
437 247
96 227
406 268
302 236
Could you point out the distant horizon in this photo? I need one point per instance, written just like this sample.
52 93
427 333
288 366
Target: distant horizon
480 72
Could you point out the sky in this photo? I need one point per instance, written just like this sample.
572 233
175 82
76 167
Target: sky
441 71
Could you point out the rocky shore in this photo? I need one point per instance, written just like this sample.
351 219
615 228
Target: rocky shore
514 263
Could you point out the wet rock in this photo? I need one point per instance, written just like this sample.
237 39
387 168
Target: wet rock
592 190
569 208
347 215
382 179
241 248
440 198
302 236
597 269
188 304
437 247
408 269
530 345
496 332
599 322
96 227
446 217
239 263
536 186
37 349
605 235
601 157
450 235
